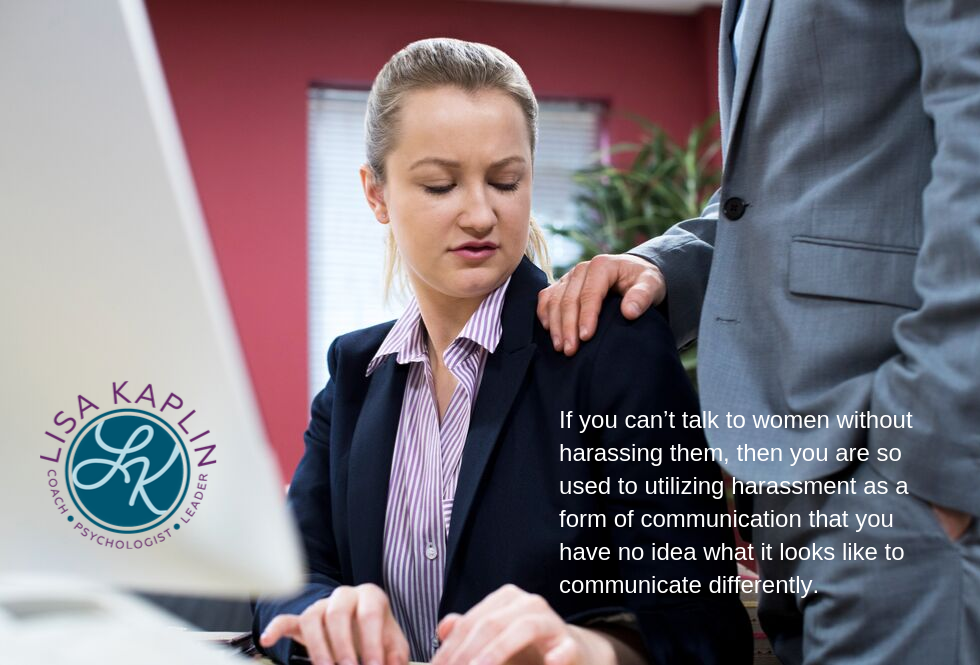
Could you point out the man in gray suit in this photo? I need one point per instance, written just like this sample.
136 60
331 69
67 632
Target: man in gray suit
837 270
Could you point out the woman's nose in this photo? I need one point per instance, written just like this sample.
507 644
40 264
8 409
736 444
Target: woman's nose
478 215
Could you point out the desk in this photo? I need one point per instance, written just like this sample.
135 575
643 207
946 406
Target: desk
242 643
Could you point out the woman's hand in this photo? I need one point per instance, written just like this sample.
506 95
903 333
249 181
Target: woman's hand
511 625
354 624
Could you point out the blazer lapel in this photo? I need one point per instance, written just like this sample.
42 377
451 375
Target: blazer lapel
755 20
726 67
503 376
369 470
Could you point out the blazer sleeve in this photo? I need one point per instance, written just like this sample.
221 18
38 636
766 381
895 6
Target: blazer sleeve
936 374
702 628
310 502
683 254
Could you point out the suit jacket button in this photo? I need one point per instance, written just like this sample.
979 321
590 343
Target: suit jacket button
734 208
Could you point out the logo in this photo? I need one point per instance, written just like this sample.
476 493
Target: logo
127 471
132 475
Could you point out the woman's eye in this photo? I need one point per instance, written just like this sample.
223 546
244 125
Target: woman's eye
445 189
441 189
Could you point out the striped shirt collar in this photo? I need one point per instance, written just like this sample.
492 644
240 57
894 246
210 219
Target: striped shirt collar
406 339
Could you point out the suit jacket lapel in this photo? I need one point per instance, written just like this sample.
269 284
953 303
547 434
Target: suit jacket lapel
369 470
755 19
503 376
726 67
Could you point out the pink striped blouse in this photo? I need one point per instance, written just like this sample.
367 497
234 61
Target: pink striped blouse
425 466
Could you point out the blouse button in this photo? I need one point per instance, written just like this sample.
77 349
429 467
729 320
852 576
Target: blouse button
430 552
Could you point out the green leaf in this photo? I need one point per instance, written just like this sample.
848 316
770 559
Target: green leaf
663 183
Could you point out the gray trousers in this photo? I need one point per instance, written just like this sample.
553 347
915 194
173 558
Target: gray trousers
923 609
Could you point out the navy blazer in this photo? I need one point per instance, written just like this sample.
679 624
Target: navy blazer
505 520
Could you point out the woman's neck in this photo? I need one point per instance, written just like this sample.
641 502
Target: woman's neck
444 318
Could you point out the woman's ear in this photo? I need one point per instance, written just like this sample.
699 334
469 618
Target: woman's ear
374 193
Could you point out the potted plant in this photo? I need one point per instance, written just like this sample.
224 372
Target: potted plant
657 183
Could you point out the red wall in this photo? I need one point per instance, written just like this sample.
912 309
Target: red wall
238 74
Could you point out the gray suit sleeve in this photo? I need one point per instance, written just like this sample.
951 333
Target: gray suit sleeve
683 254
936 375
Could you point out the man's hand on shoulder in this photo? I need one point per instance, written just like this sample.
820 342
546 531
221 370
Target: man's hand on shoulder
570 307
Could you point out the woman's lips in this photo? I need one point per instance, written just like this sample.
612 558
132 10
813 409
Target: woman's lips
475 252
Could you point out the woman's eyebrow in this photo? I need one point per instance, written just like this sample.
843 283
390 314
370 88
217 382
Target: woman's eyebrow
514 159
450 164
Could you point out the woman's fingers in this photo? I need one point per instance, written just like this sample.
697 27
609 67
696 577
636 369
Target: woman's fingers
464 648
354 624
395 645
337 620
459 633
371 618
566 652
446 625
313 633
284 625
538 632
469 634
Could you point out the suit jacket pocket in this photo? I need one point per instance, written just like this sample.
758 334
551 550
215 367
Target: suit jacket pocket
853 271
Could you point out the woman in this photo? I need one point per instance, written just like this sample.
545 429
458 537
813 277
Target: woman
439 457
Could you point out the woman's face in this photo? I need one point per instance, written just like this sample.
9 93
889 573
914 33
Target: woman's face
457 191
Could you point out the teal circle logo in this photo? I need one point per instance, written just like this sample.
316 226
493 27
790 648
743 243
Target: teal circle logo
128 471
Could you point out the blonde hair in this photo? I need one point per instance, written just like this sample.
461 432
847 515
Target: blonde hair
431 63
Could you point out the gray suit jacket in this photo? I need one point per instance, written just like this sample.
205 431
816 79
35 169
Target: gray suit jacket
838 267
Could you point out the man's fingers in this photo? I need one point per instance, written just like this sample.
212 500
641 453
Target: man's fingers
604 273
544 301
639 298
284 625
570 308
554 311
640 289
